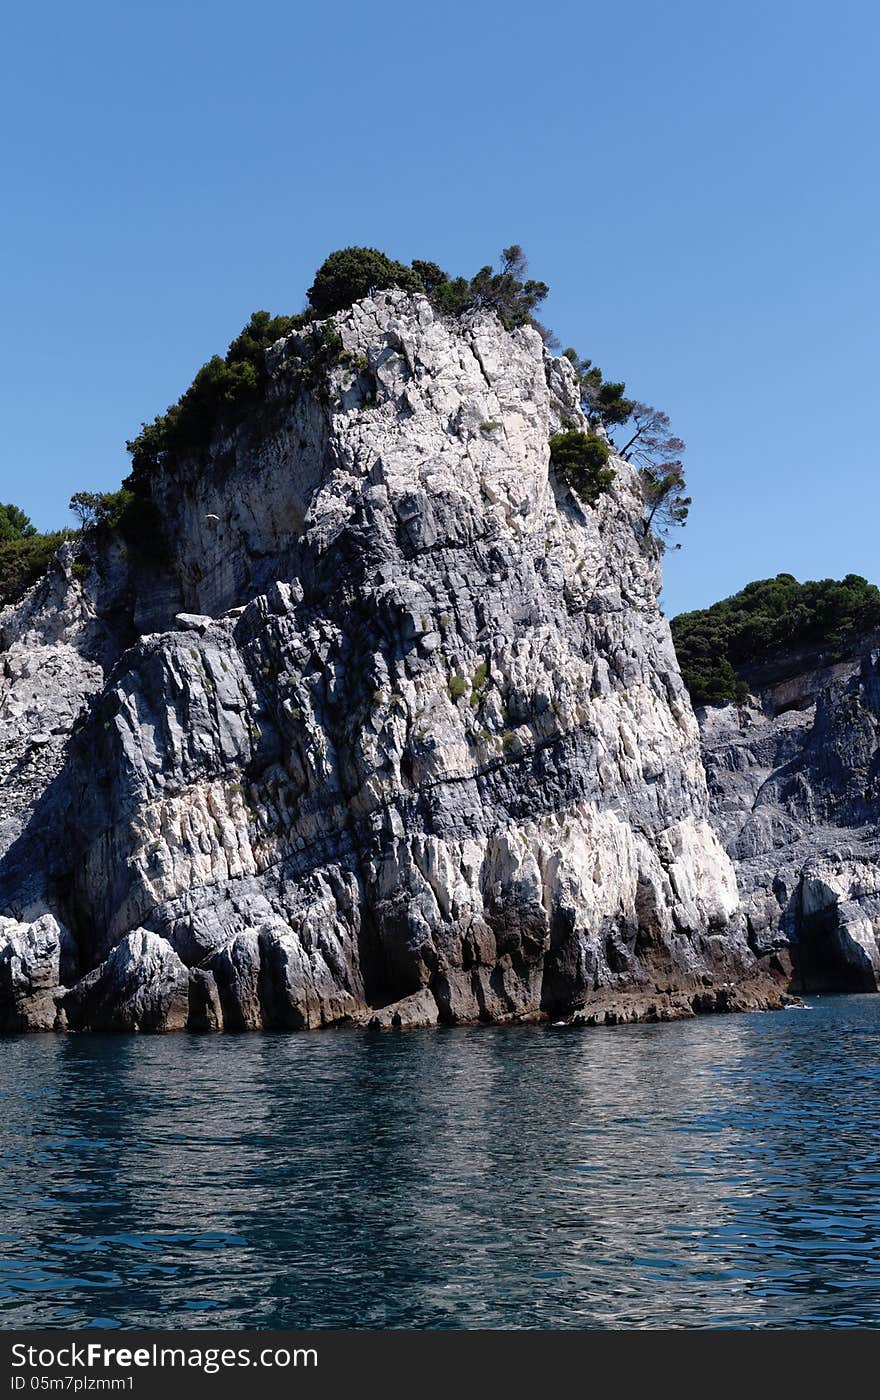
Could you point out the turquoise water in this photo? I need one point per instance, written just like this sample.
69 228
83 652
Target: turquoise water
719 1172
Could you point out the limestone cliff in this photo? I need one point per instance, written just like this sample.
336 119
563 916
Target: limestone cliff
795 794
794 780
391 729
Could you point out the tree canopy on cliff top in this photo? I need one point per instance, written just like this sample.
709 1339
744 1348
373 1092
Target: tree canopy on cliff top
717 647
229 387
352 273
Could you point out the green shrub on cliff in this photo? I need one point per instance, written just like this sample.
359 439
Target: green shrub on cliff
222 393
352 273
229 386
508 292
127 512
451 296
648 443
603 400
719 646
580 460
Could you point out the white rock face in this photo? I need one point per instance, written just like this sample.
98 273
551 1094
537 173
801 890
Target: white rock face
49 672
410 731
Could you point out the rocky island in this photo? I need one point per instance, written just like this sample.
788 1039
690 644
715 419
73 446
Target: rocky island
364 712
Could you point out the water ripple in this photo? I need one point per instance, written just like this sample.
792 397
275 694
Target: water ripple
717 1173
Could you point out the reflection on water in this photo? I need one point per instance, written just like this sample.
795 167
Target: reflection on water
722 1172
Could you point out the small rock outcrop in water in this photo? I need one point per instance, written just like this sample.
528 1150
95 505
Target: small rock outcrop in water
794 781
393 734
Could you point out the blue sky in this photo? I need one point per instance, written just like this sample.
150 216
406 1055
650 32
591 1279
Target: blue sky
697 183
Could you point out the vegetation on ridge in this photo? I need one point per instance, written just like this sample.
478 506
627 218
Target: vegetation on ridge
230 387
719 646
224 389
352 273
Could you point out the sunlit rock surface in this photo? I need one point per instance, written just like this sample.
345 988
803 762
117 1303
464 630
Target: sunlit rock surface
392 733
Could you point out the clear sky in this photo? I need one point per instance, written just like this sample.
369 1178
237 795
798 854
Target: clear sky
697 182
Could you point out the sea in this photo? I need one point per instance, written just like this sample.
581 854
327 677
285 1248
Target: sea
716 1173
